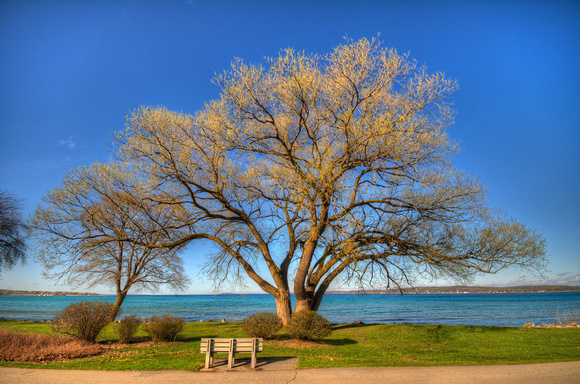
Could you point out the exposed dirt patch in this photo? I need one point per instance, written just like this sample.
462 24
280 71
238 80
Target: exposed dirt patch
30 347
297 344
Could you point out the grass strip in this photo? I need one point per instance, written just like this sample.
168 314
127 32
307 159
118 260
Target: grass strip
349 345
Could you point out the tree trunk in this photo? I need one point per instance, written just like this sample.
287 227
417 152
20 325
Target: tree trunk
303 292
304 301
318 297
117 306
283 307
303 289
310 300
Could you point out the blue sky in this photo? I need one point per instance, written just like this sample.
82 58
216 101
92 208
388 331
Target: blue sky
70 71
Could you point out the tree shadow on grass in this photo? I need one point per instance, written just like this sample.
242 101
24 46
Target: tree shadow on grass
338 342
446 332
438 333
193 339
350 325
474 328
482 329
285 340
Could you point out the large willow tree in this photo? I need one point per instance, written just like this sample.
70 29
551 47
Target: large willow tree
315 168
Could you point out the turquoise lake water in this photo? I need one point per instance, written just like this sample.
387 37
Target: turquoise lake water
506 309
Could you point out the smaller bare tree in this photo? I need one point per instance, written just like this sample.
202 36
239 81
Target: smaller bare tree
93 230
12 231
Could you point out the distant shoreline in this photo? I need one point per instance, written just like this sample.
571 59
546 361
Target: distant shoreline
465 289
457 289
7 292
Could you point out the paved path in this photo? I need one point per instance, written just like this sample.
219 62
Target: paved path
560 373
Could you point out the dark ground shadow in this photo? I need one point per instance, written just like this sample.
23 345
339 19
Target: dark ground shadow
337 342
265 364
350 325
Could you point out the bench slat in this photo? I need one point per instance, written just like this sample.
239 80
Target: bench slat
226 341
241 345
226 350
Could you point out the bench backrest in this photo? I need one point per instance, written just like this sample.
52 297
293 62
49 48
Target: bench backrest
239 345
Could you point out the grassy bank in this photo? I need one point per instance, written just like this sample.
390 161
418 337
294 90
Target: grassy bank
348 346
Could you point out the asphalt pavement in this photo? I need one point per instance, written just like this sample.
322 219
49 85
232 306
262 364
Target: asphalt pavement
557 373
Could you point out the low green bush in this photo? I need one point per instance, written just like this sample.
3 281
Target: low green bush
163 328
262 324
83 320
126 328
308 325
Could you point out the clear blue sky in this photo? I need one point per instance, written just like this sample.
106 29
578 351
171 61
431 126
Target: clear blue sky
70 71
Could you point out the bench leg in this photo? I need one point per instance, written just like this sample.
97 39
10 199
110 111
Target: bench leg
208 359
254 360
231 356
208 355
254 354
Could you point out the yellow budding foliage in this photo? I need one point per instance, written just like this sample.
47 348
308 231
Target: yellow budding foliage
320 166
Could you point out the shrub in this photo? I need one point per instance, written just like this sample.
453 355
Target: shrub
262 324
569 317
308 325
83 320
163 328
126 328
33 347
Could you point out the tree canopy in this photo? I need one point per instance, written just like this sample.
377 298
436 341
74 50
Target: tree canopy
322 168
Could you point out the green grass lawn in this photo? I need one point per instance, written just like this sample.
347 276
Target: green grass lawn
383 345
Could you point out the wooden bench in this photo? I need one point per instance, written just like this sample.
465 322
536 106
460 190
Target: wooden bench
230 346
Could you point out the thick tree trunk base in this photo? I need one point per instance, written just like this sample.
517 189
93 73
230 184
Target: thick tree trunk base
284 308
304 305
